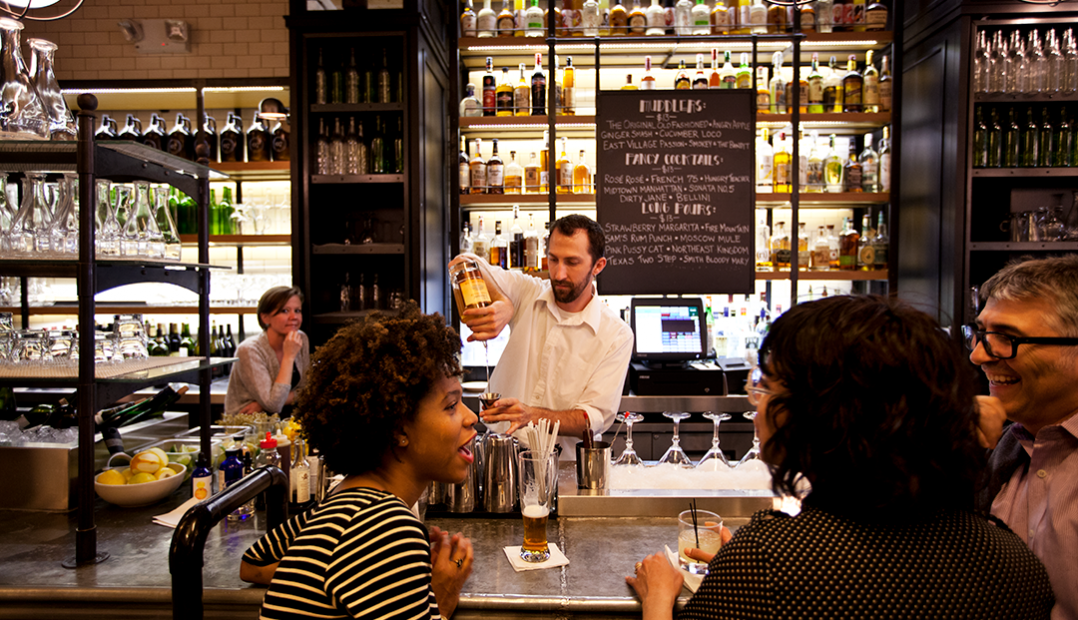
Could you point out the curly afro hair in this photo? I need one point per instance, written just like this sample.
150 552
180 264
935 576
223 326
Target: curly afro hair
367 382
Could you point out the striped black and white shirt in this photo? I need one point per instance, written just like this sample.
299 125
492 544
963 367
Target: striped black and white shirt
361 553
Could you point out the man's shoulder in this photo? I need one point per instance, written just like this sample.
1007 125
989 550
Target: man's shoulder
609 319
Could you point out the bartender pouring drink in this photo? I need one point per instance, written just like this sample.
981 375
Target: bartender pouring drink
568 352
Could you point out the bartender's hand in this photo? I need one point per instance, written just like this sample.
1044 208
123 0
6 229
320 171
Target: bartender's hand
451 563
990 422
658 584
510 410
487 323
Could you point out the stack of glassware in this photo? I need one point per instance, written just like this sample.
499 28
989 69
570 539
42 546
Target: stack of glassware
59 347
37 107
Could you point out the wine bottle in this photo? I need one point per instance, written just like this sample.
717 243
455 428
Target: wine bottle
129 413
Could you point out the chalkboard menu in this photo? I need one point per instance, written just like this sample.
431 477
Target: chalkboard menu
675 185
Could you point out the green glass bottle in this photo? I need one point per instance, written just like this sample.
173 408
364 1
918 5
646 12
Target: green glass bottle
1044 156
980 140
1030 141
215 215
1010 141
995 141
1062 140
378 151
225 209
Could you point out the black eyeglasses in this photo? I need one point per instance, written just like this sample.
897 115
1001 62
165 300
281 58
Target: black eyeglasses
1005 346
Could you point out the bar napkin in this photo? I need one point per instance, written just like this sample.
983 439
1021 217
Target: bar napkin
172 518
692 582
557 558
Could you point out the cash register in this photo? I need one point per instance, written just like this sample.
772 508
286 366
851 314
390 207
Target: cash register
670 349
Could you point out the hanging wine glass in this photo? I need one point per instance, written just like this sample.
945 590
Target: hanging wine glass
674 454
22 116
167 223
714 459
108 229
64 230
629 455
61 121
754 453
141 236
30 230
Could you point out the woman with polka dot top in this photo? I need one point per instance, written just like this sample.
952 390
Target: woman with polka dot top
872 405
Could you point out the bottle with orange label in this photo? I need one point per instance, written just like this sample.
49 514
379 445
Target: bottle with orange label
469 287
202 478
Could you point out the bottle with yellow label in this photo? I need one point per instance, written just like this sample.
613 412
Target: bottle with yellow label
469 287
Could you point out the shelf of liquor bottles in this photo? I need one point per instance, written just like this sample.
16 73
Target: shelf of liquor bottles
71 309
831 274
1025 172
1024 246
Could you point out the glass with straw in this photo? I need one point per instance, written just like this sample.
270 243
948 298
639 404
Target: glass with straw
701 529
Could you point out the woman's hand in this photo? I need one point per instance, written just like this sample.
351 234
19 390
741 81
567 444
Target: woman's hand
702 556
451 563
293 344
658 585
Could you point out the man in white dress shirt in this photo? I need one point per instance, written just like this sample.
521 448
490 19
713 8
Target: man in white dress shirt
568 352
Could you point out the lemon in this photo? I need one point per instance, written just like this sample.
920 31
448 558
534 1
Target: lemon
148 462
161 453
127 473
165 472
141 477
111 476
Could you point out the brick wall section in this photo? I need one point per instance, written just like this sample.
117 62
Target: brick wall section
230 39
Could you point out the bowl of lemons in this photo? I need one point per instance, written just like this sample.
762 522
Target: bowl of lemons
149 478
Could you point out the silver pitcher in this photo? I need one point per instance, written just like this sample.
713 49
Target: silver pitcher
500 473
461 497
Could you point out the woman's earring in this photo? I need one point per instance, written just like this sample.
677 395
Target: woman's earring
403 441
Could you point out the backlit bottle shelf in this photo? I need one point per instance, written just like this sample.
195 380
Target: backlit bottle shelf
831 274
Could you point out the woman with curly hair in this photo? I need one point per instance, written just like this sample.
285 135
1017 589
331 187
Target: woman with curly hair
868 401
383 407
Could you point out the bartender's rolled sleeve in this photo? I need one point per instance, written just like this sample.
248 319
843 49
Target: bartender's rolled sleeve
603 394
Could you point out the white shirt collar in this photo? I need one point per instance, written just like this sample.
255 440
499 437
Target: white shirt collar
591 315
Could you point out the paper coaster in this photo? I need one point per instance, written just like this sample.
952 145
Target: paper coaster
557 558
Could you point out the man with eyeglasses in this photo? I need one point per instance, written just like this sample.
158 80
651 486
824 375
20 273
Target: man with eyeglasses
1026 342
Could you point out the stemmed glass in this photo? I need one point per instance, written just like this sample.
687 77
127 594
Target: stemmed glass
714 459
754 453
674 454
629 455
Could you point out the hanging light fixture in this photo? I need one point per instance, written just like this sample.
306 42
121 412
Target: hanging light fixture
20 9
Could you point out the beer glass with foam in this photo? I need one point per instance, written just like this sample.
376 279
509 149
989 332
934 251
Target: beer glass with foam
538 477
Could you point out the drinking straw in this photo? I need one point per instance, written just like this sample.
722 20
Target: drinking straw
692 507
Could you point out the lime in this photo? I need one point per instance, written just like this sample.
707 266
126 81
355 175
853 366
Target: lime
111 476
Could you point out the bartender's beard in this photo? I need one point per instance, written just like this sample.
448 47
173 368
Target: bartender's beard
567 291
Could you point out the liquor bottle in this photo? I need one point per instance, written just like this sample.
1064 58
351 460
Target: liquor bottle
522 95
582 176
1030 140
763 95
499 248
881 243
683 18
848 240
885 161
871 89
814 181
177 138
866 252
801 78
230 342
568 88
834 173
471 106
132 130
832 88
728 74
1010 143
514 175
886 85
468 20
870 170
720 18
188 347
486 21
780 247
619 20
564 170
506 21
299 476
758 17
503 95
321 83
994 142
656 19
803 149
490 88
1061 141
743 76
467 241
531 175
777 85
1038 63
531 246
355 150
700 80
323 160
638 21
173 340
591 17
336 149
807 18
481 243
647 82
495 172
681 80
538 87
377 154
825 16
533 20
803 253
815 86
763 246
876 16
783 161
765 155
852 84
558 29
853 170
259 144
336 83
821 251
980 138
544 163
776 19
1046 147
516 242
1070 63
464 170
